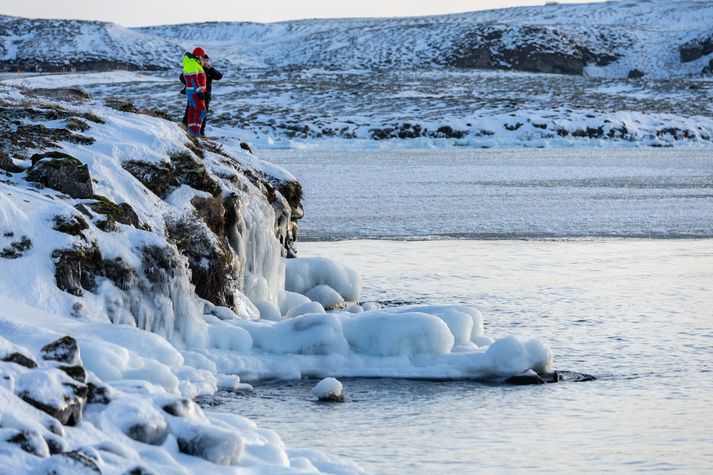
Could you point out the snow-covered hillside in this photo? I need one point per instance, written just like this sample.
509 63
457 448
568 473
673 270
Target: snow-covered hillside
657 38
437 108
57 45
140 268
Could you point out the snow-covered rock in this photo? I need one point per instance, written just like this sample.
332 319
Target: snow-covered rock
329 390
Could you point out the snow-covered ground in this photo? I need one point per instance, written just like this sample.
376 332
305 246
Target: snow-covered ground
417 109
97 254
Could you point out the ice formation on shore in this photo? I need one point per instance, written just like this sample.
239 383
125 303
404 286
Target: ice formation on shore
118 270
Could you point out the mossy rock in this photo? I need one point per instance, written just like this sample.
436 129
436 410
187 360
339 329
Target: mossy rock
156 177
54 154
63 173
156 113
195 146
292 191
121 105
120 213
8 165
37 136
93 118
72 225
212 212
209 257
68 94
188 171
76 124
77 269
16 249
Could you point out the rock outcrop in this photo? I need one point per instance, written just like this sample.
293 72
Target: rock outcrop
533 378
63 173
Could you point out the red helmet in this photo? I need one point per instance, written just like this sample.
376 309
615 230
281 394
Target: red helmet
198 52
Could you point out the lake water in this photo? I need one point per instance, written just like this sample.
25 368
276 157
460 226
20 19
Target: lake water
637 313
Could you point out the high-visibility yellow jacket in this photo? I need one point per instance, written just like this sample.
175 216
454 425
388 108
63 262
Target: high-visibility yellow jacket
194 74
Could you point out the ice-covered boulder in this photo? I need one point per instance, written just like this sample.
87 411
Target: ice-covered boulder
268 311
215 444
314 334
465 323
510 356
181 407
228 337
327 296
329 390
305 309
304 274
368 306
289 300
53 392
138 420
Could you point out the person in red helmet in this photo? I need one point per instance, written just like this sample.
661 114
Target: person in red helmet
195 77
211 75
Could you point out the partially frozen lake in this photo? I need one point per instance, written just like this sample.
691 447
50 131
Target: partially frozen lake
636 312
503 194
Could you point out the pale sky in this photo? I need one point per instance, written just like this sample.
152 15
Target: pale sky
158 12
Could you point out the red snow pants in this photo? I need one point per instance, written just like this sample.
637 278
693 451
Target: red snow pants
196 112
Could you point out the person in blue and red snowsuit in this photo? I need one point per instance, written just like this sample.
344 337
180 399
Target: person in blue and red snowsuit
211 74
195 77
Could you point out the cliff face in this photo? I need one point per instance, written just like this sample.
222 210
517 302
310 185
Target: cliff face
661 39
129 202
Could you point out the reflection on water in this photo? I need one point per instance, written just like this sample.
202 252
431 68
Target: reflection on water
636 313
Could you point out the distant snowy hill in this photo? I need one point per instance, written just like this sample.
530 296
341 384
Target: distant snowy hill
56 45
660 39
